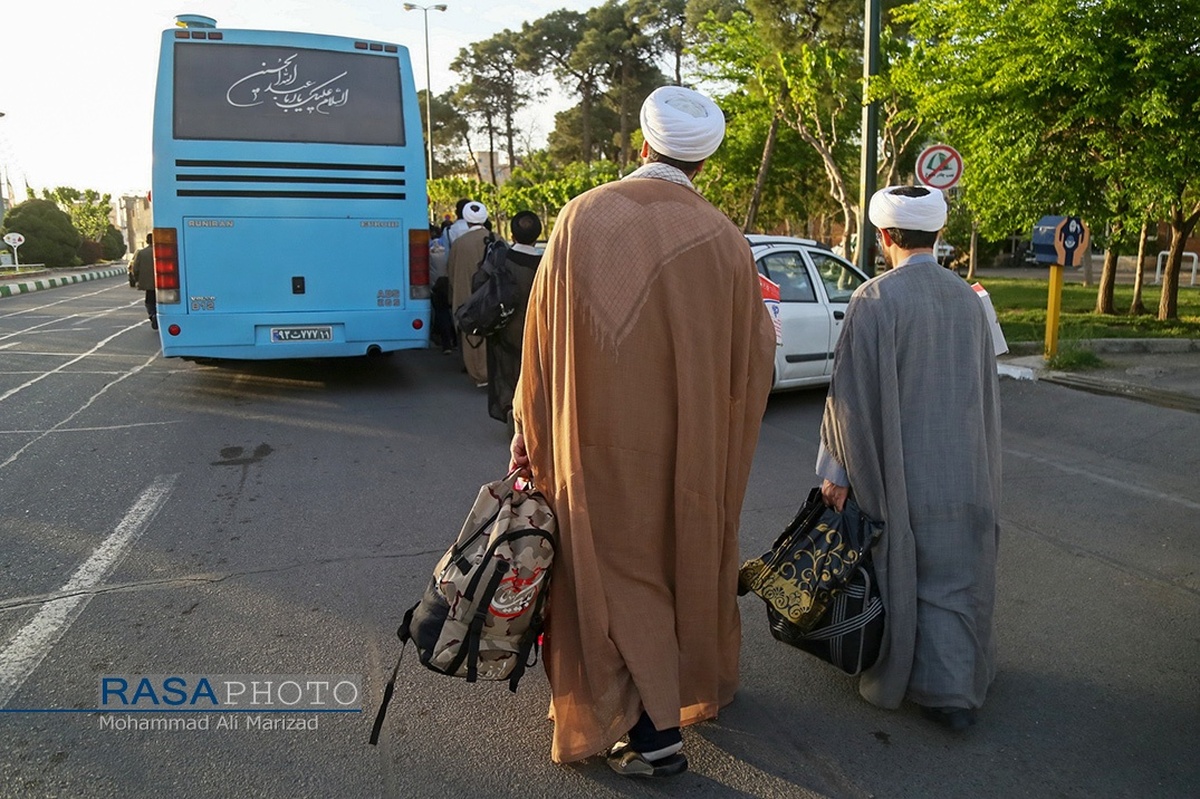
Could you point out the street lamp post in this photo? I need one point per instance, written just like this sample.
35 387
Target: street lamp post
3 199
428 92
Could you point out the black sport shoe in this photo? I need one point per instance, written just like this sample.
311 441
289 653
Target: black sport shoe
153 323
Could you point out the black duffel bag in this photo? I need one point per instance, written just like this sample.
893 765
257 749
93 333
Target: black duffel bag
819 584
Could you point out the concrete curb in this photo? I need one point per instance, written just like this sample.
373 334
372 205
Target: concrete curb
9 288
1116 388
1112 346
1033 367
1015 371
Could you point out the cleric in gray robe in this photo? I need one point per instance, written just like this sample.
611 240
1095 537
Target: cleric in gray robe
912 427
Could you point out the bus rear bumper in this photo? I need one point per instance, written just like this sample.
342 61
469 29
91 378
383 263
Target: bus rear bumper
248 337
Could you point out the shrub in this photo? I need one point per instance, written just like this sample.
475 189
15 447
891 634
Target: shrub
90 252
50 238
1072 358
113 244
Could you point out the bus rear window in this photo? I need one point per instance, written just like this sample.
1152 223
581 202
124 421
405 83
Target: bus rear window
286 94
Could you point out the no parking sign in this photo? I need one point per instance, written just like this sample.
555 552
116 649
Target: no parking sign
939 167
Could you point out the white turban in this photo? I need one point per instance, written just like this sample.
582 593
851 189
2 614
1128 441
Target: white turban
891 210
475 213
682 124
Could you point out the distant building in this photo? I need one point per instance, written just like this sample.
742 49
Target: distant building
132 216
493 164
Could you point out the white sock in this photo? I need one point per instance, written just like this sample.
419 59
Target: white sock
666 751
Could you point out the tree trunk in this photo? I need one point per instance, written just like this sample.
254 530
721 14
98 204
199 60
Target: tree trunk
585 108
626 134
1181 229
1108 273
837 185
1137 307
474 160
1108 280
510 134
764 168
972 259
491 129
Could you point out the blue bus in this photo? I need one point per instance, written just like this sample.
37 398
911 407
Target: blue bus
289 200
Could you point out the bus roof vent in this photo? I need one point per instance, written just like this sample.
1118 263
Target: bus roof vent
194 21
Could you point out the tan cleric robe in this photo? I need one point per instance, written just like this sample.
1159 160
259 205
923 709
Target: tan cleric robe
465 254
646 367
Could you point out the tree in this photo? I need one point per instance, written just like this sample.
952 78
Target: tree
664 24
88 209
554 44
1068 106
50 238
797 57
475 98
497 87
450 129
764 199
615 38
112 244
565 142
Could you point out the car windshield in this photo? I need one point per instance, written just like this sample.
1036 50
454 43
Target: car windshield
840 282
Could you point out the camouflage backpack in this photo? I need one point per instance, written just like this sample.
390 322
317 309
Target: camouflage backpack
483 611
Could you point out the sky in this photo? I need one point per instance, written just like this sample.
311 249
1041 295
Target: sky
77 76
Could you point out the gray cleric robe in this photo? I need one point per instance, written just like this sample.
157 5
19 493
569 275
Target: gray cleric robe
913 417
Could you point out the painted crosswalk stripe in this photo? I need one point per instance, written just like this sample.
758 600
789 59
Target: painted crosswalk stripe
26 650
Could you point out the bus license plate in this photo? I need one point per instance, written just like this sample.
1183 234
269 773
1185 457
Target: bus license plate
317 333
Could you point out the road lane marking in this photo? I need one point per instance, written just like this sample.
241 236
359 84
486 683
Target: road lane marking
28 648
104 428
99 345
46 305
89 315
11 458
1160 496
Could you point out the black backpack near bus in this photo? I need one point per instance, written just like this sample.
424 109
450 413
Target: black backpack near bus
494 293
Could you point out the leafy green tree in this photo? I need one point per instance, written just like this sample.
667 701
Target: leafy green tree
615 38
664 24
565 142
496 88
444 194
451 145
88 209
739 180
1067 106
544 187
797 59
475 98
50 238
554 44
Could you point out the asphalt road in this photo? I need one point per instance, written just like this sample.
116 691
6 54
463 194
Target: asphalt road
167 518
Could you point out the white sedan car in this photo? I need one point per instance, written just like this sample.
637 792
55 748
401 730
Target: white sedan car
814 288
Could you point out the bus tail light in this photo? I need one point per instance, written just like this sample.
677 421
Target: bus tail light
166 265
418 264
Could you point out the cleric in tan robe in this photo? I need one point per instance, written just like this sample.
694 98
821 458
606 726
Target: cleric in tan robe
646 367
465 254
